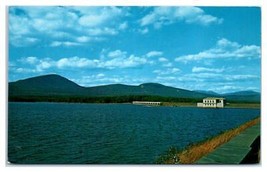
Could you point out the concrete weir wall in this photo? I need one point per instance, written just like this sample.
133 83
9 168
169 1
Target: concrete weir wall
146 103
242 149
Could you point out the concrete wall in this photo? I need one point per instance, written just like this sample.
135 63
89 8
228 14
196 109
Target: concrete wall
146 103
220 105
199 104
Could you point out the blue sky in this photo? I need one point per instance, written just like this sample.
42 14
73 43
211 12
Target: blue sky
196 48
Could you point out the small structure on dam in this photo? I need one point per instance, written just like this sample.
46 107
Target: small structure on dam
146 103
212 102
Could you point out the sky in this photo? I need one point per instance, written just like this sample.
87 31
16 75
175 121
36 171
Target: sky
195 48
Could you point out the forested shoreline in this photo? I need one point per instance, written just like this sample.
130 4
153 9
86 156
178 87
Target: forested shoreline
106 99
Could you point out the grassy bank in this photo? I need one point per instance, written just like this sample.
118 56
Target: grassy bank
194 152
179 104
244 105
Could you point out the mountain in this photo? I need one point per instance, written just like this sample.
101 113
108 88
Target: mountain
56 85
242 93
243 96
44 85
48 85
154 89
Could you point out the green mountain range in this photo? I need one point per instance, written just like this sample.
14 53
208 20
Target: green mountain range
56 85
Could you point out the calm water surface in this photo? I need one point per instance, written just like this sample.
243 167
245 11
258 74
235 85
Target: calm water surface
62 133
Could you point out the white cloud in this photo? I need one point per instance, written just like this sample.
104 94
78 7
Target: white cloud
93 20
143 31
101 31
223 49
154 53
65 24
64 43
227 88
224 87
100 75
76 62
116 59
167 64
100 16
18 25
40 65
117 53
121 59
60 35
148 19
31 40
88 80
69 44
204 69
218 82
122 62
220 77
83 39
30 60
167 71
175 70
21 41
206 75
50 19
162 59
167 15
248 51
24 70
123 26
43 65
55 44
241 77
226 44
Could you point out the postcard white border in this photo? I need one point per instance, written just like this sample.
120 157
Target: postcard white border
157 168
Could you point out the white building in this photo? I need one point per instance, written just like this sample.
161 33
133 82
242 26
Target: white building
212 102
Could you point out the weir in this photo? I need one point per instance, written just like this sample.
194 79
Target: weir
146 103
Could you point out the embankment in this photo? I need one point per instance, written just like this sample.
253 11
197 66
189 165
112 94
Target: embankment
194 152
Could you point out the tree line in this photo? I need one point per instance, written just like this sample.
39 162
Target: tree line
102 99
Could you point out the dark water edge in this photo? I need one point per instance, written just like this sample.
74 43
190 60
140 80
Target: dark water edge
62 133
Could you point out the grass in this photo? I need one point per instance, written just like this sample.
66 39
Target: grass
179 104
194 152
243 105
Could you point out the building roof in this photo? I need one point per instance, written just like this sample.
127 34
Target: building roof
214 98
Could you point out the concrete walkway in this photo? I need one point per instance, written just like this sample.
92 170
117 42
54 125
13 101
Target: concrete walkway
234 151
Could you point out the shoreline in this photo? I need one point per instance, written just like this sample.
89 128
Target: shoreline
166 104
231 105
192 153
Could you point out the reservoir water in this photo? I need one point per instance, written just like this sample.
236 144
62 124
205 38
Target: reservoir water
63 133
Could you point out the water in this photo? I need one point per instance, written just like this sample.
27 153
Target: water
62 133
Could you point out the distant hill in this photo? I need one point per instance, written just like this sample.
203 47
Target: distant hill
143 89
244 96
44 85
242 93
56 85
